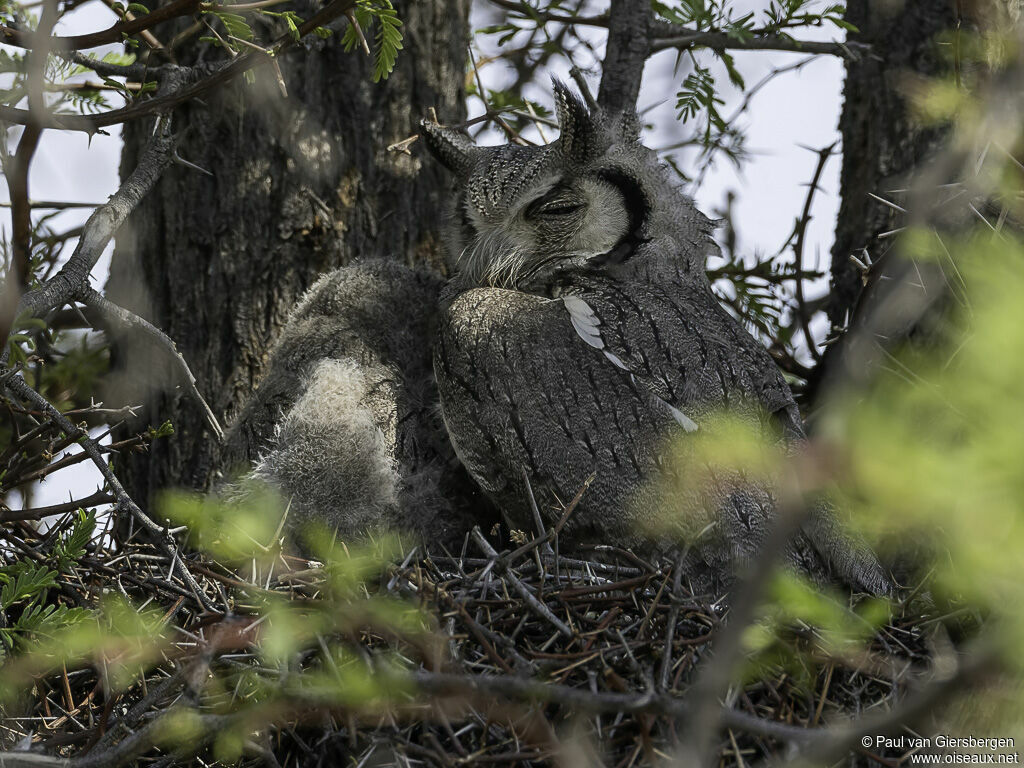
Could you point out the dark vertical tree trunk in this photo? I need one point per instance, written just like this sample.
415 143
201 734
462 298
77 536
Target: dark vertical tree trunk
301 184
882 143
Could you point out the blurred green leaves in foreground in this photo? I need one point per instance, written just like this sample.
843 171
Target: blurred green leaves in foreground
934 452
323 637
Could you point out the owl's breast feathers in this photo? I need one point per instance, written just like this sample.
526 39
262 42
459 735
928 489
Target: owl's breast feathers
586 384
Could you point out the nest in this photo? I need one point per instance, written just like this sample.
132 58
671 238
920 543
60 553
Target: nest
530 657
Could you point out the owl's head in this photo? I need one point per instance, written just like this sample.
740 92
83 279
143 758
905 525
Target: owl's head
527 215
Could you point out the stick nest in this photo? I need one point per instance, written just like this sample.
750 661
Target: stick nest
531 658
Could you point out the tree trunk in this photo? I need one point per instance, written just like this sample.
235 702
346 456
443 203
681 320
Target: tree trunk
301 184
882 143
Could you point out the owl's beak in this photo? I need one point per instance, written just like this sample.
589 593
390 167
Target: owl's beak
453 148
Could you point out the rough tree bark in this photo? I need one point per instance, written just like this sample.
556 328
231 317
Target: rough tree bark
301 184
882 143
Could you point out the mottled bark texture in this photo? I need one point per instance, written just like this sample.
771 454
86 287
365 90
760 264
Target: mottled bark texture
301 184
882 142
629 45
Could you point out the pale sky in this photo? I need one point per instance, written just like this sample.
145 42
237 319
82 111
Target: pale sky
800 108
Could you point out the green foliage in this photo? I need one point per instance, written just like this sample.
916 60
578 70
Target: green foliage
24 581
112 57
235 25
75 365
22 345
936 459
234 532
798 618
23 595
699 97
387 37
71 545
292 19
166 429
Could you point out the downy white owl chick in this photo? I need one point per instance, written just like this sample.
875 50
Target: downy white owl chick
581 334
345 424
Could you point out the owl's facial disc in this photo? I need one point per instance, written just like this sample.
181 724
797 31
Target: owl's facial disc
560 225
582 217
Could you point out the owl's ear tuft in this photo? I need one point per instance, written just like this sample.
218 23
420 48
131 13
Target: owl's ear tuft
577 130
454 149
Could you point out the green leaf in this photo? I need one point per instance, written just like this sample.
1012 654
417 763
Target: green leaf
734 75
71 546
138 8
235 25
24 582
389 41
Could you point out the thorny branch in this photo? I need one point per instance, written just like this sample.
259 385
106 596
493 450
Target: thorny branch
725 41
467 689
95 499
663 35
20 388
798 239
93 298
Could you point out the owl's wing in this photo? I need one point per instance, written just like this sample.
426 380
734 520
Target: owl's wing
684 351
587 325
693 358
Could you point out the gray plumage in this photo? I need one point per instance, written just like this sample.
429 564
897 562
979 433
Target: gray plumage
581 335
345 423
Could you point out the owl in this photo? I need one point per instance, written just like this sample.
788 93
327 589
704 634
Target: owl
345 423
580 337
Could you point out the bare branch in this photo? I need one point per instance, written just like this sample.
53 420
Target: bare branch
136 71
93 299
21 208
530 599
112 34
601 20
38 513
723 41
98 231
800 232
18 173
